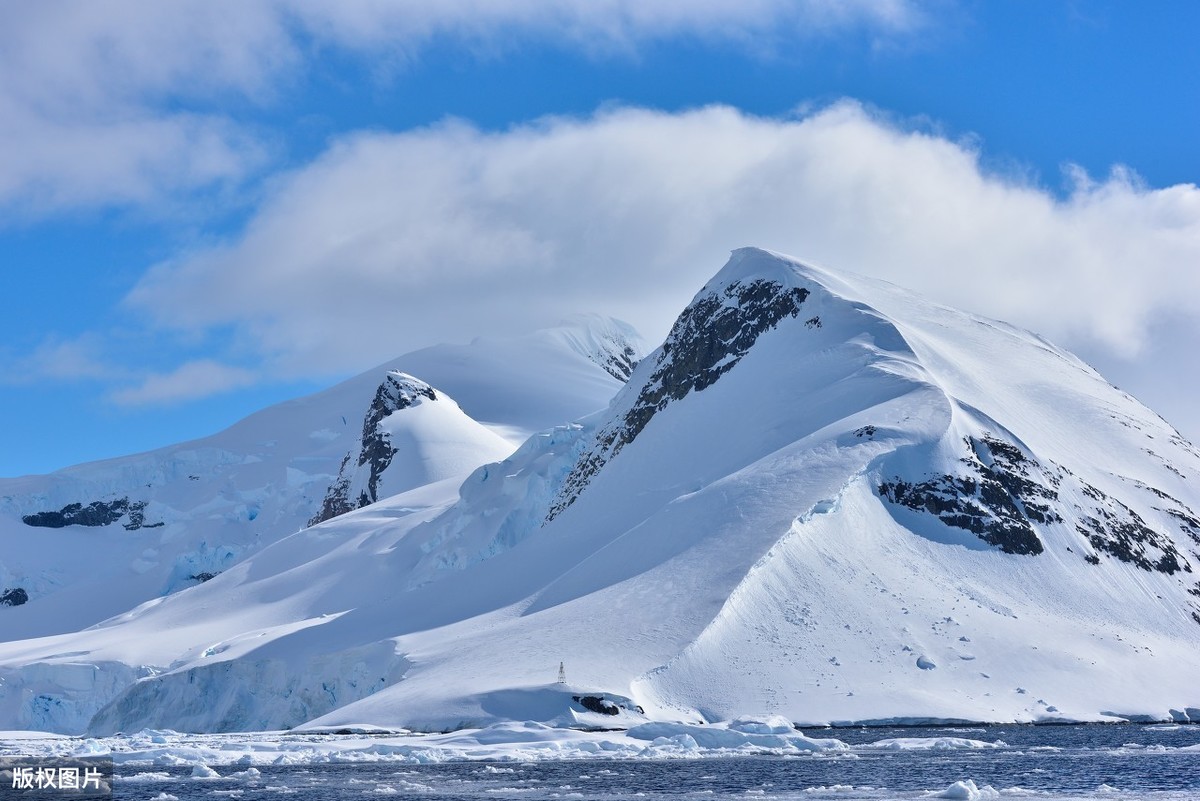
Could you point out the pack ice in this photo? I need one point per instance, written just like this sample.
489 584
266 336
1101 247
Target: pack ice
821 500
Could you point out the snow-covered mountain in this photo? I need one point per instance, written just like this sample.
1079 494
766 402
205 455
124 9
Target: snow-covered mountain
822 497
95 540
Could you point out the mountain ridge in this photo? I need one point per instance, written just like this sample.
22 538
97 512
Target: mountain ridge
880 510
94 540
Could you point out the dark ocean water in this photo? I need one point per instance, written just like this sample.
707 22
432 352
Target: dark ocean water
1117 762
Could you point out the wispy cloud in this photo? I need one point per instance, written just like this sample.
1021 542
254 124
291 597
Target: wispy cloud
391 241
190 381
62 360
120 102
89 99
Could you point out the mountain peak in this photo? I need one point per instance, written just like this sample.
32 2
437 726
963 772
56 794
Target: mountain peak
399 390
614 345
748 264
752 294
394 425
751 263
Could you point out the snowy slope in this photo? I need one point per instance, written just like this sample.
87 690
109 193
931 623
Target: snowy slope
109 535
412 436
821 497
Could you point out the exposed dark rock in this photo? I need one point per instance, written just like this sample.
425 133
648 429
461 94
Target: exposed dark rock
1007 491
96 513
1188 523
203 576
337 501
596 703
620 365
1010 468
813 322
137 516
959 502
1119 531
397 391
865 431
1164 496
708 339
1185 518
996 501
14 597
1165 463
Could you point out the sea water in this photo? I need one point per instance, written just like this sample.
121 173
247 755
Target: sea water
1053 763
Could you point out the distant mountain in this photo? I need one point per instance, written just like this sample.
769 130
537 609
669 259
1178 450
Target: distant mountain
83 544
821 497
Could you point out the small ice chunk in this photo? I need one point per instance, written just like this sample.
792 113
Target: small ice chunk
772 724
968 791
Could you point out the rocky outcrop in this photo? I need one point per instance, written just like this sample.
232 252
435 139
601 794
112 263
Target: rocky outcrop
337 497
603 705
96 513
14 597
707 340
1111 527
364 469
619 363
994 498
1004 493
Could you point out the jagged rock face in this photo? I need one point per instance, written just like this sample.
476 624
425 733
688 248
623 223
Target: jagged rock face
337 497
397 391
1004 494
707 340
620 364
96 513
14 597
1113 528
995 499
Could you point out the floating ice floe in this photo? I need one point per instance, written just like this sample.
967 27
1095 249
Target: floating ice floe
932 744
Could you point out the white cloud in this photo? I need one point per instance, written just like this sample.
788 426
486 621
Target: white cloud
57 359
86 90
190 381
138 159
603 24
391 241
115 101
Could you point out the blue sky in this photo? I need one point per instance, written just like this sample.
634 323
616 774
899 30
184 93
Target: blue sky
206 210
